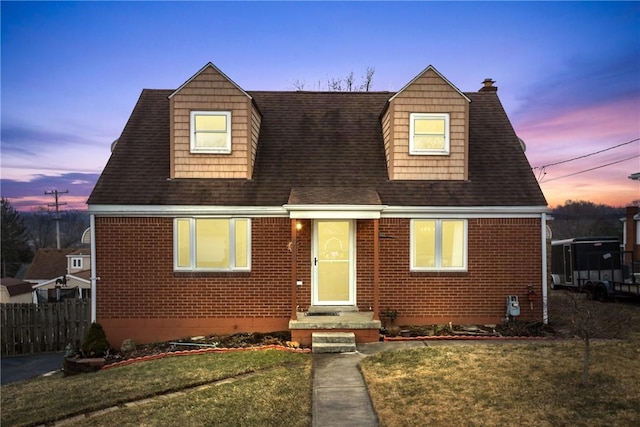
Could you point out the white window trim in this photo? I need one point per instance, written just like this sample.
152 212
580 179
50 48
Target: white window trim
192 132
447 143
438 266
76 262
192 249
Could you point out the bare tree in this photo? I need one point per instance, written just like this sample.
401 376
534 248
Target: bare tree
41 228
588 319
40 224
368 79
298 84
347 84
334 85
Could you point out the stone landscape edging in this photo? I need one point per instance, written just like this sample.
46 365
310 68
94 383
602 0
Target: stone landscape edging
467 337
203 351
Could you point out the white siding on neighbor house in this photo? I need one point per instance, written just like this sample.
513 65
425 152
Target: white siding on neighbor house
5 298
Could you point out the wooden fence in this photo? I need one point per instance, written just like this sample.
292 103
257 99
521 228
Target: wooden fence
35 328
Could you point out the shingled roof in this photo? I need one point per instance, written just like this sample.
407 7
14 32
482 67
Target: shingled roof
16 286
48 264
318 148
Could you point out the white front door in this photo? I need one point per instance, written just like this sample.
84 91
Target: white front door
333 262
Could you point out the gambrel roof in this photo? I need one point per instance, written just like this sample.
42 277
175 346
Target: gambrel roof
318 148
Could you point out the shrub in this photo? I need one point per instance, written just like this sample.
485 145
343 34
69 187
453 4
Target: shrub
95 342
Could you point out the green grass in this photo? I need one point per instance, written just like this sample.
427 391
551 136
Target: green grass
491 385
278 397
534 384
280 377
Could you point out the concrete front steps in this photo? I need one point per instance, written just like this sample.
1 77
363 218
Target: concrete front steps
335 319
333 342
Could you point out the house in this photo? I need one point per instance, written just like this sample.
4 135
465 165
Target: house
224 210
60 273
15 291
631 235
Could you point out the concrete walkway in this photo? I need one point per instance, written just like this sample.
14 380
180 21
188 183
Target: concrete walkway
340 396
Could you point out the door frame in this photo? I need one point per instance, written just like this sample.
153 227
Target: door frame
352 265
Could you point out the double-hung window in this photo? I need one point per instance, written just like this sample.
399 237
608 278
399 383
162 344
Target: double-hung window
212 244
429 133
210 132
438 245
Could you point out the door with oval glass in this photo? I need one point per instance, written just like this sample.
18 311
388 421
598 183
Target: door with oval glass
333 255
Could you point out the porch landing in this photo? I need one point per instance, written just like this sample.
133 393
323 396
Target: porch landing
334 319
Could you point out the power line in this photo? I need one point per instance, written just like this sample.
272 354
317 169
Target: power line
587 155
597 167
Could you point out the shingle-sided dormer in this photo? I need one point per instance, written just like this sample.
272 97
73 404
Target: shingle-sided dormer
214 128
426 130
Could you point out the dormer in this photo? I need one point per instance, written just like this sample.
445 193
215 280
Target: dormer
79 260
214 128
426 130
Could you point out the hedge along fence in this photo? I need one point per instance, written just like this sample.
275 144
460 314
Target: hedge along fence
36 328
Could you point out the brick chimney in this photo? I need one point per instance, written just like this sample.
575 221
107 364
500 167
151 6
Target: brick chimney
488 86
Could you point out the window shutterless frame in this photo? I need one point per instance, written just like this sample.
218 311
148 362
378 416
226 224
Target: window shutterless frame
429 133
439 244
210 132
203 247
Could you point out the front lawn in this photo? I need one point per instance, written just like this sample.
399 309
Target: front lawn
261 399
508 384
534 384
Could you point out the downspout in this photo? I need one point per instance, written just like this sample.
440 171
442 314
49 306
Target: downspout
543 227
94 296
294 270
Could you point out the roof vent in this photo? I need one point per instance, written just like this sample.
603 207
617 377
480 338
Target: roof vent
488 85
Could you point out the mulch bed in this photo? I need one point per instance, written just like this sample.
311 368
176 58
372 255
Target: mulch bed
281 340
204 344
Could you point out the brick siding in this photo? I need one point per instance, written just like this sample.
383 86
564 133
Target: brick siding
140 296
504 256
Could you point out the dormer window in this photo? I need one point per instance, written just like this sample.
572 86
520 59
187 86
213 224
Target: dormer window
429 134
76 263
211 132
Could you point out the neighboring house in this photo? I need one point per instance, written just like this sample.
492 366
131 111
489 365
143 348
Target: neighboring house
631 234
223 210
60 273
15 291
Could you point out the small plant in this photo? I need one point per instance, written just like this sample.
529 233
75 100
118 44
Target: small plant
391 316
95 342
393 331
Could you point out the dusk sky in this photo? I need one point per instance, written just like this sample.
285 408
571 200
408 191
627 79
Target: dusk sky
568 76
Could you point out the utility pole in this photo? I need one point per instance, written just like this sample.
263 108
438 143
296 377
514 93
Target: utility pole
56 194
